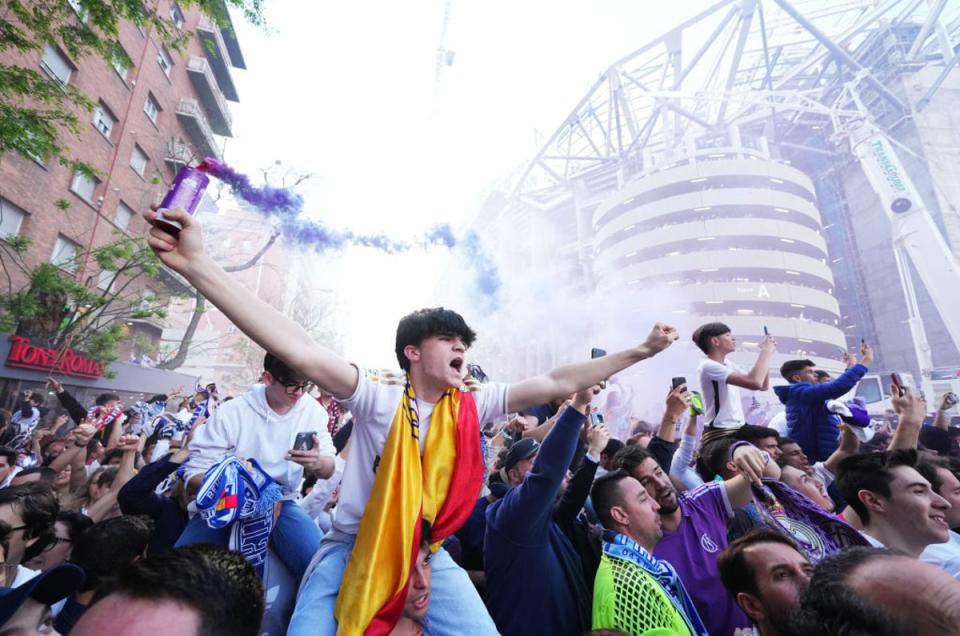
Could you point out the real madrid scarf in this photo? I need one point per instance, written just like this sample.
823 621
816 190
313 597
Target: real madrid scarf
441 488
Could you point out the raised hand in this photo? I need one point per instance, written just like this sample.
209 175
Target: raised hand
769 343
660 337
597 438
176 251
678 402
866 354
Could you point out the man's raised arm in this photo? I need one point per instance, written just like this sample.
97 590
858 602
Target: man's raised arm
266 326
564 381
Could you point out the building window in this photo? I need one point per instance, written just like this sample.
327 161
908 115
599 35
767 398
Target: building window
103 119
151 107
83 185
10 218
121 63
176 15
124 216
80 11
65 254
105 279
138 160
56 65
163 59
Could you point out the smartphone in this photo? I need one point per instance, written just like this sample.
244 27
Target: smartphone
304 441
677 381
596 352
766 331
696 403
596 418
896 381
477 373
950 399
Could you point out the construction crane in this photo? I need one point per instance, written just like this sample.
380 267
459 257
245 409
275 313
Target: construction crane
444 56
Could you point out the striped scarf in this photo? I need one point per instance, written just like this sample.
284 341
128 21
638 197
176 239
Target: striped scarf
102 417
441 488
232 496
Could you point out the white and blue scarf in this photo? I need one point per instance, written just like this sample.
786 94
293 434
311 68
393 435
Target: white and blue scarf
620 546
232 496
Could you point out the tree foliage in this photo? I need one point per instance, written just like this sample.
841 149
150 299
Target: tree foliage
38 114
56 309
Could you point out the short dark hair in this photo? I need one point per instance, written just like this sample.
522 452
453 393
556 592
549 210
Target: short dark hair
38 506
703 333
612 447
735 570
713 457
279 369
791 367
106 547
220 585
870 471
828 606
605 494
783 439
103 398
751 433
36 399
629 457
928 465
76 523
111 454
419 325
10 453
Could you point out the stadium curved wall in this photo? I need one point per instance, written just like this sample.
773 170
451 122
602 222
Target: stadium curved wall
738 239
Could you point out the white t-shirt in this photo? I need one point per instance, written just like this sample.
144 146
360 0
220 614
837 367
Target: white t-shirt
373 405
945 556
731 409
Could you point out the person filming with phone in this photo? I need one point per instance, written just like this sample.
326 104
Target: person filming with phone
286 435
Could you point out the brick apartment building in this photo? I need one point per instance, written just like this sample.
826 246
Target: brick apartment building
156 110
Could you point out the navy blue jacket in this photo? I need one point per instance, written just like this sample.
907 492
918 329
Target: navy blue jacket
808 420
137 497
535 580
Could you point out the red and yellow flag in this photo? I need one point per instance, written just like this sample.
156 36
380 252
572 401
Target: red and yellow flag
441 487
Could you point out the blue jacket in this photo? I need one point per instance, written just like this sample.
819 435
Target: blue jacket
808 420
535 579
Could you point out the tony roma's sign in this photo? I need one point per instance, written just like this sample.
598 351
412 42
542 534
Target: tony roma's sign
66 361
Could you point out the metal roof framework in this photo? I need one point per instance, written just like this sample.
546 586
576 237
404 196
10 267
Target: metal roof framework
702 78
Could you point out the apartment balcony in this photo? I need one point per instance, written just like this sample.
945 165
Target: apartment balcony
219 56
178 155
195 124
210 95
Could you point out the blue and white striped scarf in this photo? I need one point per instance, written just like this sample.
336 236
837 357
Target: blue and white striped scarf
620 546
232 496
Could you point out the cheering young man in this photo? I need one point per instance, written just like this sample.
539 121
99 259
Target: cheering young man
398 472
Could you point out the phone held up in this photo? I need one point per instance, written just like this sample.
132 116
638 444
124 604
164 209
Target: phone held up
304 441
596 352
678 381
596 418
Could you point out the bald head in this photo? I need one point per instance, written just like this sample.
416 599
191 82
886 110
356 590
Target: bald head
864 591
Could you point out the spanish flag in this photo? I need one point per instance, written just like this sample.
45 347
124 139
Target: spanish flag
441 488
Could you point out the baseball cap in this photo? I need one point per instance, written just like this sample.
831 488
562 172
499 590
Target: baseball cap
49 587
524 449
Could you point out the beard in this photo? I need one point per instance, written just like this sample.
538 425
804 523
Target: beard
668 502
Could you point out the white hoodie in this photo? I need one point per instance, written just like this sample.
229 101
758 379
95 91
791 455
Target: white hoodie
247 427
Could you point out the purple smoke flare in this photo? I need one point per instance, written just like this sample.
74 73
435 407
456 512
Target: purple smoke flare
286 206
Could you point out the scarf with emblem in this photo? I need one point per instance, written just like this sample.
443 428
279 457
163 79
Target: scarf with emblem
441 487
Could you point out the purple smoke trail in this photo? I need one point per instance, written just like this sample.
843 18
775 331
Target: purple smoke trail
286 205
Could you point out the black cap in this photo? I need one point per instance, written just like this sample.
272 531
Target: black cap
524 449
49 587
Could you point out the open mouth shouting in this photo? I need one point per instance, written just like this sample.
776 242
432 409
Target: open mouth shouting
457 365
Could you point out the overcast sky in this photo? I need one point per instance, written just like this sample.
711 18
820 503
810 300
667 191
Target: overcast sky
346 91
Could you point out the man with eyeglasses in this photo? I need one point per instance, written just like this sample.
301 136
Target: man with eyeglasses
263 424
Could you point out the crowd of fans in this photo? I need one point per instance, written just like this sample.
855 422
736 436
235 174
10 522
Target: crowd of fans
331 499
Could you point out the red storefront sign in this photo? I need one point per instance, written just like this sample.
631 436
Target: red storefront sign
25 355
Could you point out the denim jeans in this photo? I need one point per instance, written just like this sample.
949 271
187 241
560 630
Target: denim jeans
455 607
295 537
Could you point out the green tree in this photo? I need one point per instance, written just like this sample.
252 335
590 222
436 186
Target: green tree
56 309
38 115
